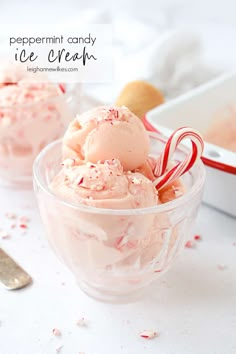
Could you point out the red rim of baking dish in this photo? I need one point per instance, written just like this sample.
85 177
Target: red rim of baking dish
208 162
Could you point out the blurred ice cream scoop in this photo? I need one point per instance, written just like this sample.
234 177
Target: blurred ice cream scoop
222 130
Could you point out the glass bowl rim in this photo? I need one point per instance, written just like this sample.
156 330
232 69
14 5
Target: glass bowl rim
160 208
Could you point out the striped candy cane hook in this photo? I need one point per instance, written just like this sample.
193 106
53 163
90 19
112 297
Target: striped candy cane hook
165 176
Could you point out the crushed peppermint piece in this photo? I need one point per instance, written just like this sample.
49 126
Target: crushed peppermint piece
90 164
13 225
58 349
68 162
10 215
221 266
80 180
24 219
190 244
114 112
178 192
23 226
197 238
148 334
136 180
62 88
56 332
82 322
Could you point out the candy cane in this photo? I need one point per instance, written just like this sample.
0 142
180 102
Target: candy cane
165 176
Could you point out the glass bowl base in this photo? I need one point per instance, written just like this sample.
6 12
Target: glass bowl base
111 296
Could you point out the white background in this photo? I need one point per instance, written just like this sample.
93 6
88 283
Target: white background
178 11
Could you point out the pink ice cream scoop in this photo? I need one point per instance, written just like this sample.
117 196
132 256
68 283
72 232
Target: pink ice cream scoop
104 185
106 133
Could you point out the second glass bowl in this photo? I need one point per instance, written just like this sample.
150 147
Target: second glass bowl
25 129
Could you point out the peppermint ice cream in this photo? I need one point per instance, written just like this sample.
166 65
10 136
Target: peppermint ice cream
32 114
101 236
104 185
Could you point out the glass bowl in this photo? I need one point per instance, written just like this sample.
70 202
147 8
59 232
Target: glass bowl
25 129
88 239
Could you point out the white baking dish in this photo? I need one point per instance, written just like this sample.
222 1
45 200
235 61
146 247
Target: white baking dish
197 109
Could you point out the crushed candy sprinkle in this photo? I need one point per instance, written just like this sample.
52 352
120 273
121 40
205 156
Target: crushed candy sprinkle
23 226
82 322
178 193
114 112
148 334
24 219
221 266
190 244
197 238
58 349
136 180
80 180
68 162
56 332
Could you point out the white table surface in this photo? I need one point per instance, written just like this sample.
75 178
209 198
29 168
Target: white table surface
193 306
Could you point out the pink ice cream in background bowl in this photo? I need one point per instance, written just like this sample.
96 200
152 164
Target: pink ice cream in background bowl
102 213
32 114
